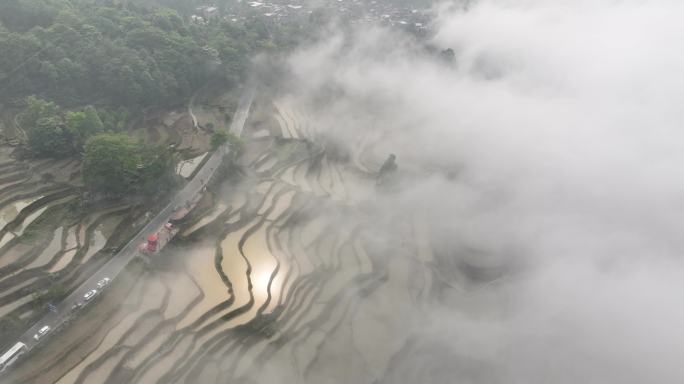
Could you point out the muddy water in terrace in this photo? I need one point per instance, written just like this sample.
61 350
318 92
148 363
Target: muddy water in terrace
66 258
199 263
50 251
10 212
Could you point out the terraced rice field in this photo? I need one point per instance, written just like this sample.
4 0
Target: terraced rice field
292 276
44 246
48 243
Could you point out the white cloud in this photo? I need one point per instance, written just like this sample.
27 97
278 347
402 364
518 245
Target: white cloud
566 118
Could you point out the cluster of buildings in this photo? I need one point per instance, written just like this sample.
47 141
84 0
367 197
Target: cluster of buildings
384 12
205 13
279 11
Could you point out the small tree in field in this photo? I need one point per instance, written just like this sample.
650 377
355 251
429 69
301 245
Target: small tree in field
221 137
218 138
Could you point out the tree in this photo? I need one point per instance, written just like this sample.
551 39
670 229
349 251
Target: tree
51 134
93 124
148 38
110 163
157 173
448 55
36 109
218 138
24 14
114 119
385 175
84 124
49 137
115 164
235 144
122 56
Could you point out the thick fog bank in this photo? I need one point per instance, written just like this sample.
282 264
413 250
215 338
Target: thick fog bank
562 123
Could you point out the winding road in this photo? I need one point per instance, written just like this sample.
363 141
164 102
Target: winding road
117 264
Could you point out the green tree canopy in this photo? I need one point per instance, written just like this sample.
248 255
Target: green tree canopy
221 137
110 163
51 132
84 124
24 14
218 138
49 137
121 54
47 134
115 164
37 108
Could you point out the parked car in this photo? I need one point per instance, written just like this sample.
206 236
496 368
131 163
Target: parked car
102 283
76 306
42 332
90 294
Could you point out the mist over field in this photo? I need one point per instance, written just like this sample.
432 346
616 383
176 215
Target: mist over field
196 192
554 145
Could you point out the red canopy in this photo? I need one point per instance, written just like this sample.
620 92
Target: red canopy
152 238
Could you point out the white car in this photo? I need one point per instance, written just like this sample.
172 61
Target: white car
90 294
102 283
42 332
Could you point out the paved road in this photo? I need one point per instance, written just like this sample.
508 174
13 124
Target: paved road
113 267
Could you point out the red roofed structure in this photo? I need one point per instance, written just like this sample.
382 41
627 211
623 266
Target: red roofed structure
152 242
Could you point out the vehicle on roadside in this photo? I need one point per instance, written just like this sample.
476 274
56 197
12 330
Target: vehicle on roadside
11 355
42 332
90 294
77 306
103 283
